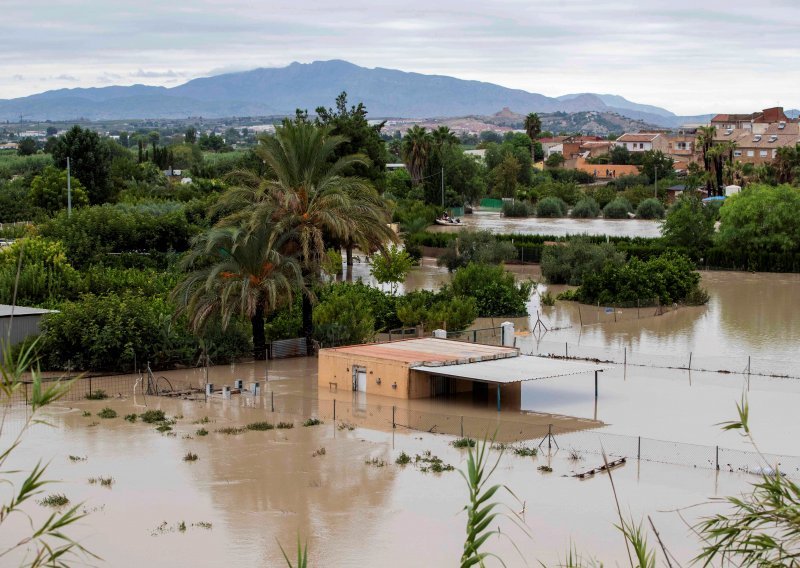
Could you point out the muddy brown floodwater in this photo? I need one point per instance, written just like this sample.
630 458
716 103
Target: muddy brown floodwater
496 223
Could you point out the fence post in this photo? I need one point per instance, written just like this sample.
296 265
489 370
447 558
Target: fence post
639 449
90 384
549 435
462 426
717 458
393 421
272 400
580 317
26 393
690 360
748 364
566 350
625 356
334 409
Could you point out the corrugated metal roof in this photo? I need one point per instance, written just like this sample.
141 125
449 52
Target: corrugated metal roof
5 311
512 370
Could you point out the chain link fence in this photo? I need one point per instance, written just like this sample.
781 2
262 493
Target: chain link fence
744 364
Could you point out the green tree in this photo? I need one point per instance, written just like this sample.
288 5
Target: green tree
27 147
190 137
51 131
391 266
504 176
533 127
45 274
344 317
235 271
689 224
310 200
416 152
49 190
656 165
761 219
90 161
554 160
705 141
495 291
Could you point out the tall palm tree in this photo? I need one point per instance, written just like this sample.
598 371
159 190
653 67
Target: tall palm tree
533 127
705 141
416 151
237 271
306 198
443 136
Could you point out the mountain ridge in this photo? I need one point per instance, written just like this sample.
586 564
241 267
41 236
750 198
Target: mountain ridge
280 90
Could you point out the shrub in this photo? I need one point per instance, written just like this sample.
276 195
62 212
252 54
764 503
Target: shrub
617 209
190 457
153 416
54 500
260 426
761 219
436 310
463 443
495 291
475 246
603 194
570 262
285 425
201 432
667 278
312 422
586 208
551 207
107 413
516 209
343 317
650 209
130 417
45 273
98 394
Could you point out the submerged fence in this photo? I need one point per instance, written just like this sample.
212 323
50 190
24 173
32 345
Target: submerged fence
546 432
692 361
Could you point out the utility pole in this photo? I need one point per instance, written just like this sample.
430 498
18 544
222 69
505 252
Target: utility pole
69 191
443 188
655 191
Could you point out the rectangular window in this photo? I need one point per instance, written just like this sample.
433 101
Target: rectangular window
762 153
751 153
737 153
774 153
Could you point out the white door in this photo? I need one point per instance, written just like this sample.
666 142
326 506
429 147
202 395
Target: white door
361 380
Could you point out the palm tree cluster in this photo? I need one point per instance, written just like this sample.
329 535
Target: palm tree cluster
419 147
274 229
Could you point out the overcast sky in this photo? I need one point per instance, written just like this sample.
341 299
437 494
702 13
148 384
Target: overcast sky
690 56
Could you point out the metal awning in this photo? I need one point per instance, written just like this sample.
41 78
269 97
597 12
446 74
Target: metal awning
511 369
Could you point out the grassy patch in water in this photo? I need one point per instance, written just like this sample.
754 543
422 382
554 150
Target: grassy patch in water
99 394
153 416
54 500
312 422
231 430
107 413
285 425
463 443
260 426
190 457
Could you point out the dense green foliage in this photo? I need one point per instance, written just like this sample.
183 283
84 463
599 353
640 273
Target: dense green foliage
343 318
436 310
49 191
650 209
90 161
586 208
689 225
495 290
481 247
761 219
516 209
571 262
551 207
664 279
617 209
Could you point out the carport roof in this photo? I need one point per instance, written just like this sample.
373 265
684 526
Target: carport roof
513 370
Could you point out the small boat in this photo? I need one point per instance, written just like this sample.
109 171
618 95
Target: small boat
441 221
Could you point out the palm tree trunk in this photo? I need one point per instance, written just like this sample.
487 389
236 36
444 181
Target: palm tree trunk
349 253
259 337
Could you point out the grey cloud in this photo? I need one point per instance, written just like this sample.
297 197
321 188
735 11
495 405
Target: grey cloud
156 74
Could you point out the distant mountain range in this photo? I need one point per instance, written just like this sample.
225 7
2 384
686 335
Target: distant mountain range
279 91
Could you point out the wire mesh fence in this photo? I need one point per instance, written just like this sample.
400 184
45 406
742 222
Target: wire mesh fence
627 311
745 364
486 336
544 431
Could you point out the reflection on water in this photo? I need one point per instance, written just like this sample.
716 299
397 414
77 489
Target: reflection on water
496 223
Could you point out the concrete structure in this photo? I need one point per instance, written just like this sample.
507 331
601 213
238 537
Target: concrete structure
431 367
24 323
643 141
604 171
759 147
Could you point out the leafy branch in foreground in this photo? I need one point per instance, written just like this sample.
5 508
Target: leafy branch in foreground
480 510
763 528
46 545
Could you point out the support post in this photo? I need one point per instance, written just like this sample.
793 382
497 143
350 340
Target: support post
272 400
462 426
334 409
690 360
625 356
717 458
498 397
566 350
394 423
90 384
639 449
549 435
595 383
580 317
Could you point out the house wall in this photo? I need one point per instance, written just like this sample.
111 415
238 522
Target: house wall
335 367
23 326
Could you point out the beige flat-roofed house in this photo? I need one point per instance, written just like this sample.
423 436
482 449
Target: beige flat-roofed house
430 367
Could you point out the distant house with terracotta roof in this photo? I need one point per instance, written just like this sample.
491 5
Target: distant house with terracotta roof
644 141
756 122
760 147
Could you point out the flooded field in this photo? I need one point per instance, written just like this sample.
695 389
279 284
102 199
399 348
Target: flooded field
496 223
335 487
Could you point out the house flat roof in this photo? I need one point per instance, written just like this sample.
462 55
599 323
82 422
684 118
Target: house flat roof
515 370
5 311
427 349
